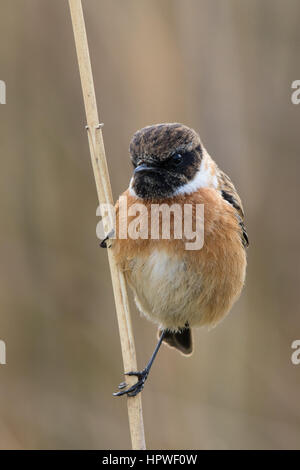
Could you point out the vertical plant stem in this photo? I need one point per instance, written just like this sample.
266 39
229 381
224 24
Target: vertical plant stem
103 186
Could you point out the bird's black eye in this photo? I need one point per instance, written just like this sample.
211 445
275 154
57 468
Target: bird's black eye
177 158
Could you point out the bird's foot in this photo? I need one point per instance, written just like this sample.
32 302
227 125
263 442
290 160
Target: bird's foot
135 388
106 243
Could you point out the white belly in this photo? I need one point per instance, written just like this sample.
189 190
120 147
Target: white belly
164 288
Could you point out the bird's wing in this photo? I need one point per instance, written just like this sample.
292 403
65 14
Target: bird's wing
230 195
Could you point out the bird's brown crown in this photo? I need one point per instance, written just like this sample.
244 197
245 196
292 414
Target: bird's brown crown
165 157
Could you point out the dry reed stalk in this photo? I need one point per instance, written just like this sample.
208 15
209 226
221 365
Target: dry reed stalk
101 175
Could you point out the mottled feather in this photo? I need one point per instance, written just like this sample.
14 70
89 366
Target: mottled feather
229 193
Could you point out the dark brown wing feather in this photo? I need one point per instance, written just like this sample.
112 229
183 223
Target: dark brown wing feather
230 195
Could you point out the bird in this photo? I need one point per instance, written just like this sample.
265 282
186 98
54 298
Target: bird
174 287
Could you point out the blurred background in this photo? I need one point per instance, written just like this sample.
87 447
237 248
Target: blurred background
223 67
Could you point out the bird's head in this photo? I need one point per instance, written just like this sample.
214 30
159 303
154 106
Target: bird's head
166 159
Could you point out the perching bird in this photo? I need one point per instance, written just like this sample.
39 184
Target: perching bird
174 287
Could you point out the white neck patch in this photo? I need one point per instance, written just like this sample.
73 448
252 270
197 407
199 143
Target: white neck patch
204 178
131 190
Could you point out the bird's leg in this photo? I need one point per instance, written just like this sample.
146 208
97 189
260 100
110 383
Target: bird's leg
141 375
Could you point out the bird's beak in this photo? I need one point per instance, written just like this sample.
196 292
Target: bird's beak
144 167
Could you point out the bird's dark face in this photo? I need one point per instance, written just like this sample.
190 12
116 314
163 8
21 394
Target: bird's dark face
166 157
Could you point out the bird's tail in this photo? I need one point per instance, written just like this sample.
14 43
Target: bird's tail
181 340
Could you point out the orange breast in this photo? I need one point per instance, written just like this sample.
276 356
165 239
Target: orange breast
180 285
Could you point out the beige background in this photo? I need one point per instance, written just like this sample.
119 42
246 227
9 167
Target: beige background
224 67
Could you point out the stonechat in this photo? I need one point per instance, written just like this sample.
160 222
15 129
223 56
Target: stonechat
175 287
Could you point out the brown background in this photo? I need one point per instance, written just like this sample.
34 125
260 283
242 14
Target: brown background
224 67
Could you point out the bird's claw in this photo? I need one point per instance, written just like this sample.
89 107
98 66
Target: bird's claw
122 385
135 388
